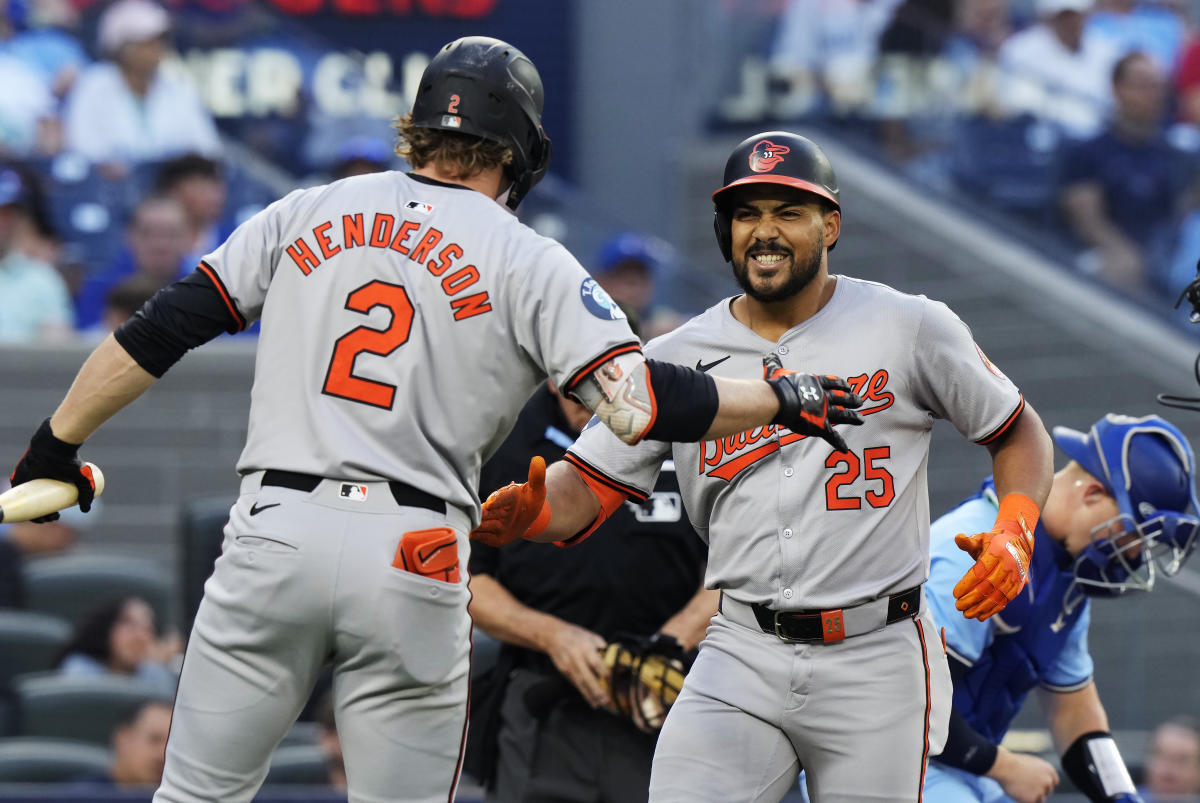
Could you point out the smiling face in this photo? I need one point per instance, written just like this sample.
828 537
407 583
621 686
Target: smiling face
779 238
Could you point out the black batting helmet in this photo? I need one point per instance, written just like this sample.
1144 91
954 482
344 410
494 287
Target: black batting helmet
773 157
487 88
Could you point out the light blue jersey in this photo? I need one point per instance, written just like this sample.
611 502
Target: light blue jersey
1034 641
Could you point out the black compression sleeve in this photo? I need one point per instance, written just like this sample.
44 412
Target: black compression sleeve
177 318
686 402
966 748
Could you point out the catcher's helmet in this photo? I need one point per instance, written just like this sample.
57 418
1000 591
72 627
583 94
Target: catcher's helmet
1147 465
487 88
773 157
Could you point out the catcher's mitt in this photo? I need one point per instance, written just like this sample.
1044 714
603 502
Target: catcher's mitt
645 675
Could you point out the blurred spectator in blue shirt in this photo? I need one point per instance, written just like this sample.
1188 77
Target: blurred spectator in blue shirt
119 638
1122 189
123 300
197 183
913 101
824 52
627 269
1057 72
157 246
42 35
34 303
1154 28
972 50
28 113
1173 762
135 108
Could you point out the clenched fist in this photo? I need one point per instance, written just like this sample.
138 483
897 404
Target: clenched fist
810 404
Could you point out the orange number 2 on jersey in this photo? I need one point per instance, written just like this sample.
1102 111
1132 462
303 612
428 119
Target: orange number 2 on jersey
340 379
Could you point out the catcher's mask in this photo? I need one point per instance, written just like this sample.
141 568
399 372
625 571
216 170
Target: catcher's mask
773 157
1147 465
487 88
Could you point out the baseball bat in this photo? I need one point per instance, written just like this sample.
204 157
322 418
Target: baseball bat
35 498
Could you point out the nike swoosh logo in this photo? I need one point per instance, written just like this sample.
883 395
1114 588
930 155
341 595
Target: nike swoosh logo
255 509
704 367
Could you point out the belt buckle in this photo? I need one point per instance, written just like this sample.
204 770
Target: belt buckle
779 633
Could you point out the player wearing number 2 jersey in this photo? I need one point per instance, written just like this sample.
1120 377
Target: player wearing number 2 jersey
824 655
405 320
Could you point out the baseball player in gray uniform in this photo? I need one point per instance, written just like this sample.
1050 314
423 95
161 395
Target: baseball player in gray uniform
823 656
405 320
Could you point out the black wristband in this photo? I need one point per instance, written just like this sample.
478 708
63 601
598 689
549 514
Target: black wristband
44 440
966 748
1080 766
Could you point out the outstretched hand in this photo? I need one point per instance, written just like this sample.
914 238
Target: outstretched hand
509 511
1001 568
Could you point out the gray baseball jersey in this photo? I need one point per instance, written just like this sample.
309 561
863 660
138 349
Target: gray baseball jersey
789 522
793 525
406 322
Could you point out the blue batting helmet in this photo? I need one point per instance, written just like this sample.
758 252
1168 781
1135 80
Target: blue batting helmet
1147 466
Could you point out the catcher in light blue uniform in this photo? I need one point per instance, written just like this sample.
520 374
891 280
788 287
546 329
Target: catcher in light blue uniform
1119 513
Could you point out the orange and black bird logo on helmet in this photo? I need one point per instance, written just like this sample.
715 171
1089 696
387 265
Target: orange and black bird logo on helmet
766 155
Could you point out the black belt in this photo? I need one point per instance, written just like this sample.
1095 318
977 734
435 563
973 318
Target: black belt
404 494
827 626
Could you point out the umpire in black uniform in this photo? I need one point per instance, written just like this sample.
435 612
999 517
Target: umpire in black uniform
541 728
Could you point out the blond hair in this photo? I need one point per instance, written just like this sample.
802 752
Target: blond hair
457 155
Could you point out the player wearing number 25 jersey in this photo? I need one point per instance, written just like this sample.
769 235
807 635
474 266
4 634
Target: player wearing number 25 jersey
824 655
405 319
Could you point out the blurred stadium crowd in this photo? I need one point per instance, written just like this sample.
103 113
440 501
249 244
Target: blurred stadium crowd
118 171
1078 118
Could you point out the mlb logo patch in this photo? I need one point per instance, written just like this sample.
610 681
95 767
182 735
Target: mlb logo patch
420 207
355 493
451 121
661 507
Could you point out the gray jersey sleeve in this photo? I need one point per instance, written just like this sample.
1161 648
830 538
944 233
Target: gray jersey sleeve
246 261
630 470
564 320
956 381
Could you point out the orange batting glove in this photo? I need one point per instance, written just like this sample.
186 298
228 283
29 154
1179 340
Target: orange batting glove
516 510
1002 558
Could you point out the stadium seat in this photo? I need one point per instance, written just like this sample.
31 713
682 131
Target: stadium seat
201 526
29 642
82 708
30 760
1011 164
71 586
88 210
297 764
